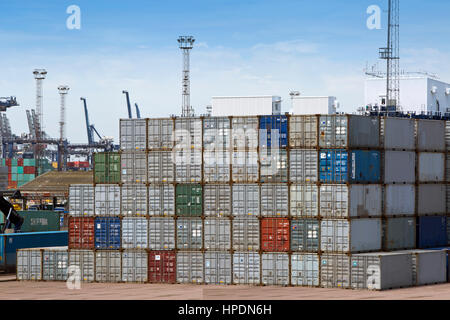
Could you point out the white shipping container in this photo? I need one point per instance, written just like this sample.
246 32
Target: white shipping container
107 200
274 200
216 166
188 133
399 199
335 271
161 200
305 269
431 199
189 233
381 271
430 135
399 167
304 201
134 233
217 200
188 166
303 131
246 201
303 166
134 266
161 167
275 269
246 268
217 133
81 200
133 134
348 201
190 267
29 264
431 167
160 134
134 200
134 167
161 233
245 106
350 236
82 262
313 105
217 234
397 133
246 231
245 166
244 133
55 262
108 266
217 268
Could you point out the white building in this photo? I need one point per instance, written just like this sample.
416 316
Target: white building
246 106
302 105
417 94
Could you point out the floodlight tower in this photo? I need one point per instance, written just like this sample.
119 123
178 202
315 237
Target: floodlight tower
63 90
392 56
39 75
186 43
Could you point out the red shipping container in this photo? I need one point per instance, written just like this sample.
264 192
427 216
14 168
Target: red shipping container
12 185
29 170
20 162
70 164
162 267
9 177
8 162
81 233
84 164
275 234
9 170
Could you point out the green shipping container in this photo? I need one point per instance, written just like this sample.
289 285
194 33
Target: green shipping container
39 221
20 170
13 176
29 162
29 177
107 167
14 169
14 162
189 200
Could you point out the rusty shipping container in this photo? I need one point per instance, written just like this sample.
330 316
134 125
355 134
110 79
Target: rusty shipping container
81 233
162 267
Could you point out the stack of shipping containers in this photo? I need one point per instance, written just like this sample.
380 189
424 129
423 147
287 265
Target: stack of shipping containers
269 200
20 171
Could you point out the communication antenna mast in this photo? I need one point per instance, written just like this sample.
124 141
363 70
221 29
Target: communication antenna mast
39 75
186 43
392 56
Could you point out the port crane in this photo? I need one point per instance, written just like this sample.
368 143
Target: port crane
130 115
8 102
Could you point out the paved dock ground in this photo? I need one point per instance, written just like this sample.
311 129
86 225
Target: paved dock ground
15 290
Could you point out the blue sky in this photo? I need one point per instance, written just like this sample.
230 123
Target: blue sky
243 48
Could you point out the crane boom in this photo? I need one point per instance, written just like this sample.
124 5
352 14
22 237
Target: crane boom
138 112
128 103
88 126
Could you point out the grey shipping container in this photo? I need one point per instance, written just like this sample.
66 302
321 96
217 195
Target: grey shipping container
190 267
133 167
246 233
246 268
447 166
275 269
133 134
55 262
161 200
273 166
161 167
431 167
188 133
29 264
381 271
305 269
305 235
430 135
428 266
244 133
189 233
81 200
350 236
188 166
217 133
217 268
304 200
352 131
348 201
134 266
431 199
397 134
335 271
303 131
303 166
246 200
216 166
217 234
399 167
399 199
160 134
161 233
399 233
134 200
217 200
245 166
108 266
134 233
82 260
274 200
447 135
107 200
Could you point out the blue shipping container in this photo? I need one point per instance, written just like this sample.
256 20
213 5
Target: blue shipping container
267 124
431 232
107 233
9 243
363 166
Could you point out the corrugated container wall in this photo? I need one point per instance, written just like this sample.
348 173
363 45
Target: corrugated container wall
305 235
273 166
244 133
431 232
134 167
189 200
303 166
217 133
188 166
428 267
246 268
397 134
399 200
273 131
108 266
81 200
217 268
274 200
134 200
275 234
161 167
29 264
216 166
189 233
245 166
335 271
107 167
399 233
81 233
217 234
431 167
303 131
162 233
134 233
430 135
304 200
217 200
275 269
161 200
305 269
107 200
188 133
162 267
133 134
107 233
190 267
85 261
134 266
245 200
246 231
55 262
160 134
399 167
431 199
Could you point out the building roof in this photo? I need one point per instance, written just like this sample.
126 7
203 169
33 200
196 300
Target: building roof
55 184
